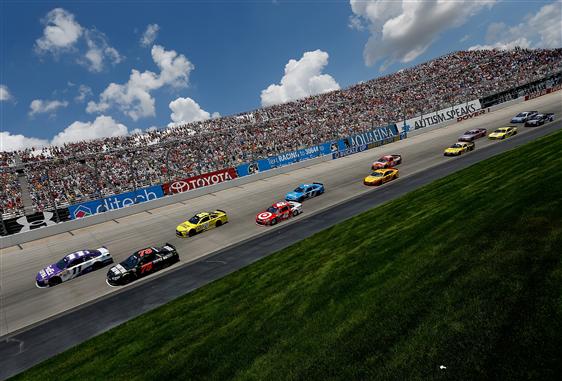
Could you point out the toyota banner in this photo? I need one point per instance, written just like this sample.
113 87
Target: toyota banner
200 181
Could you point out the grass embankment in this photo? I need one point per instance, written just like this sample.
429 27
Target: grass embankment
465 273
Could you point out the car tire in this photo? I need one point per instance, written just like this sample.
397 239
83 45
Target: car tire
295 213
301 199
55 281
191 233
218 224
97 266
273 221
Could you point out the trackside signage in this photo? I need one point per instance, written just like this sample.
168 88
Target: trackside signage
445 115
115 202
543 92
200 181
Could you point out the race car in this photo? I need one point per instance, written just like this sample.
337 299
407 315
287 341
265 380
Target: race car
472 135
381 176
539 120
387 161
201 222
523 116
459 148
278 212
304 191
503 133
141 263
73 265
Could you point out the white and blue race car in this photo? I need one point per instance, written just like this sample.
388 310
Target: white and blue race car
304 191
73 265
522 117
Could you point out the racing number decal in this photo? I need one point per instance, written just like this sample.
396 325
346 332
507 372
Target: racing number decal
146 268
145 251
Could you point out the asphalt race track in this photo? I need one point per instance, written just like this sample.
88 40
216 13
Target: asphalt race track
38 323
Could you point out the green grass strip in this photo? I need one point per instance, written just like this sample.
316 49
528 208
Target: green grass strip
465 272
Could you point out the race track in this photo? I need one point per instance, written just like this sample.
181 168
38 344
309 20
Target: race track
23 304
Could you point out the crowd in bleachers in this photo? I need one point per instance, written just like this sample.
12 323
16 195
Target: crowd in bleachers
84 170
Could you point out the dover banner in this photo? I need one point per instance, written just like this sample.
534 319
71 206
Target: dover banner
445 115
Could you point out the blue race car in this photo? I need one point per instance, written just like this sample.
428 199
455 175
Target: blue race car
304 191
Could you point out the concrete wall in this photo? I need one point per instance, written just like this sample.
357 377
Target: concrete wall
19 238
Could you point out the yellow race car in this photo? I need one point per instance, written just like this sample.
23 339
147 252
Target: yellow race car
381 176
459 148
503 133
201 222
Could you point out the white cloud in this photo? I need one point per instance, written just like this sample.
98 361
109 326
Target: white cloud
102 126
133 98
98 52
83 92
4 93
355 22
403 30
540 30
9 142
186 110
149 35
61 32
302 78
39 106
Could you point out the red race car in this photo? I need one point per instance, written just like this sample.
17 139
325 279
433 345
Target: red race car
387 161
278 212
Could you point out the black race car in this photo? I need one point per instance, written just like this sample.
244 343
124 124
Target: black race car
141 263
539 120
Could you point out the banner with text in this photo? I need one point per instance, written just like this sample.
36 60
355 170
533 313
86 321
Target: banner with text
200 181
115 202
444 115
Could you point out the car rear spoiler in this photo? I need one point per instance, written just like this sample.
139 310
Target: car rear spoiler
169 244
318 183
220 210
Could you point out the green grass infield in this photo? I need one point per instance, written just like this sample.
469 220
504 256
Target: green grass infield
464 273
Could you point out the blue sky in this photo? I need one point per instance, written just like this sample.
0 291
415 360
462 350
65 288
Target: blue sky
228 53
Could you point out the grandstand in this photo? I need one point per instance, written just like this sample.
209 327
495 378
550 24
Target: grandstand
37 179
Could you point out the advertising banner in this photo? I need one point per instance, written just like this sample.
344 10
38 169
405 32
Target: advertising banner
247 169
35 221
543 92
115 202
200 181
444 115
349 151
376 135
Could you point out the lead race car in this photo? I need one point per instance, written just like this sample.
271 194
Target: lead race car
279 211
522 117
73 265
141 263
304 191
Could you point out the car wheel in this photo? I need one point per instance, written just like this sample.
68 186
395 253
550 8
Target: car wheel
274 221
55 281
301 199
218 224
97 266
295 213
191 233
395 176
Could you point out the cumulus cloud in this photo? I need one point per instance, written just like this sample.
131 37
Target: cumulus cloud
83 93
539 30
102 126
39 106
186 110
149 35
4 93
62 33
302 78
9 142
99 52
403 30
133 98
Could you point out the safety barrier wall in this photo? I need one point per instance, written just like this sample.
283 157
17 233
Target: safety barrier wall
66 226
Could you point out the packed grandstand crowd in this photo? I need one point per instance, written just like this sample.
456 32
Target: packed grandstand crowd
91 169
